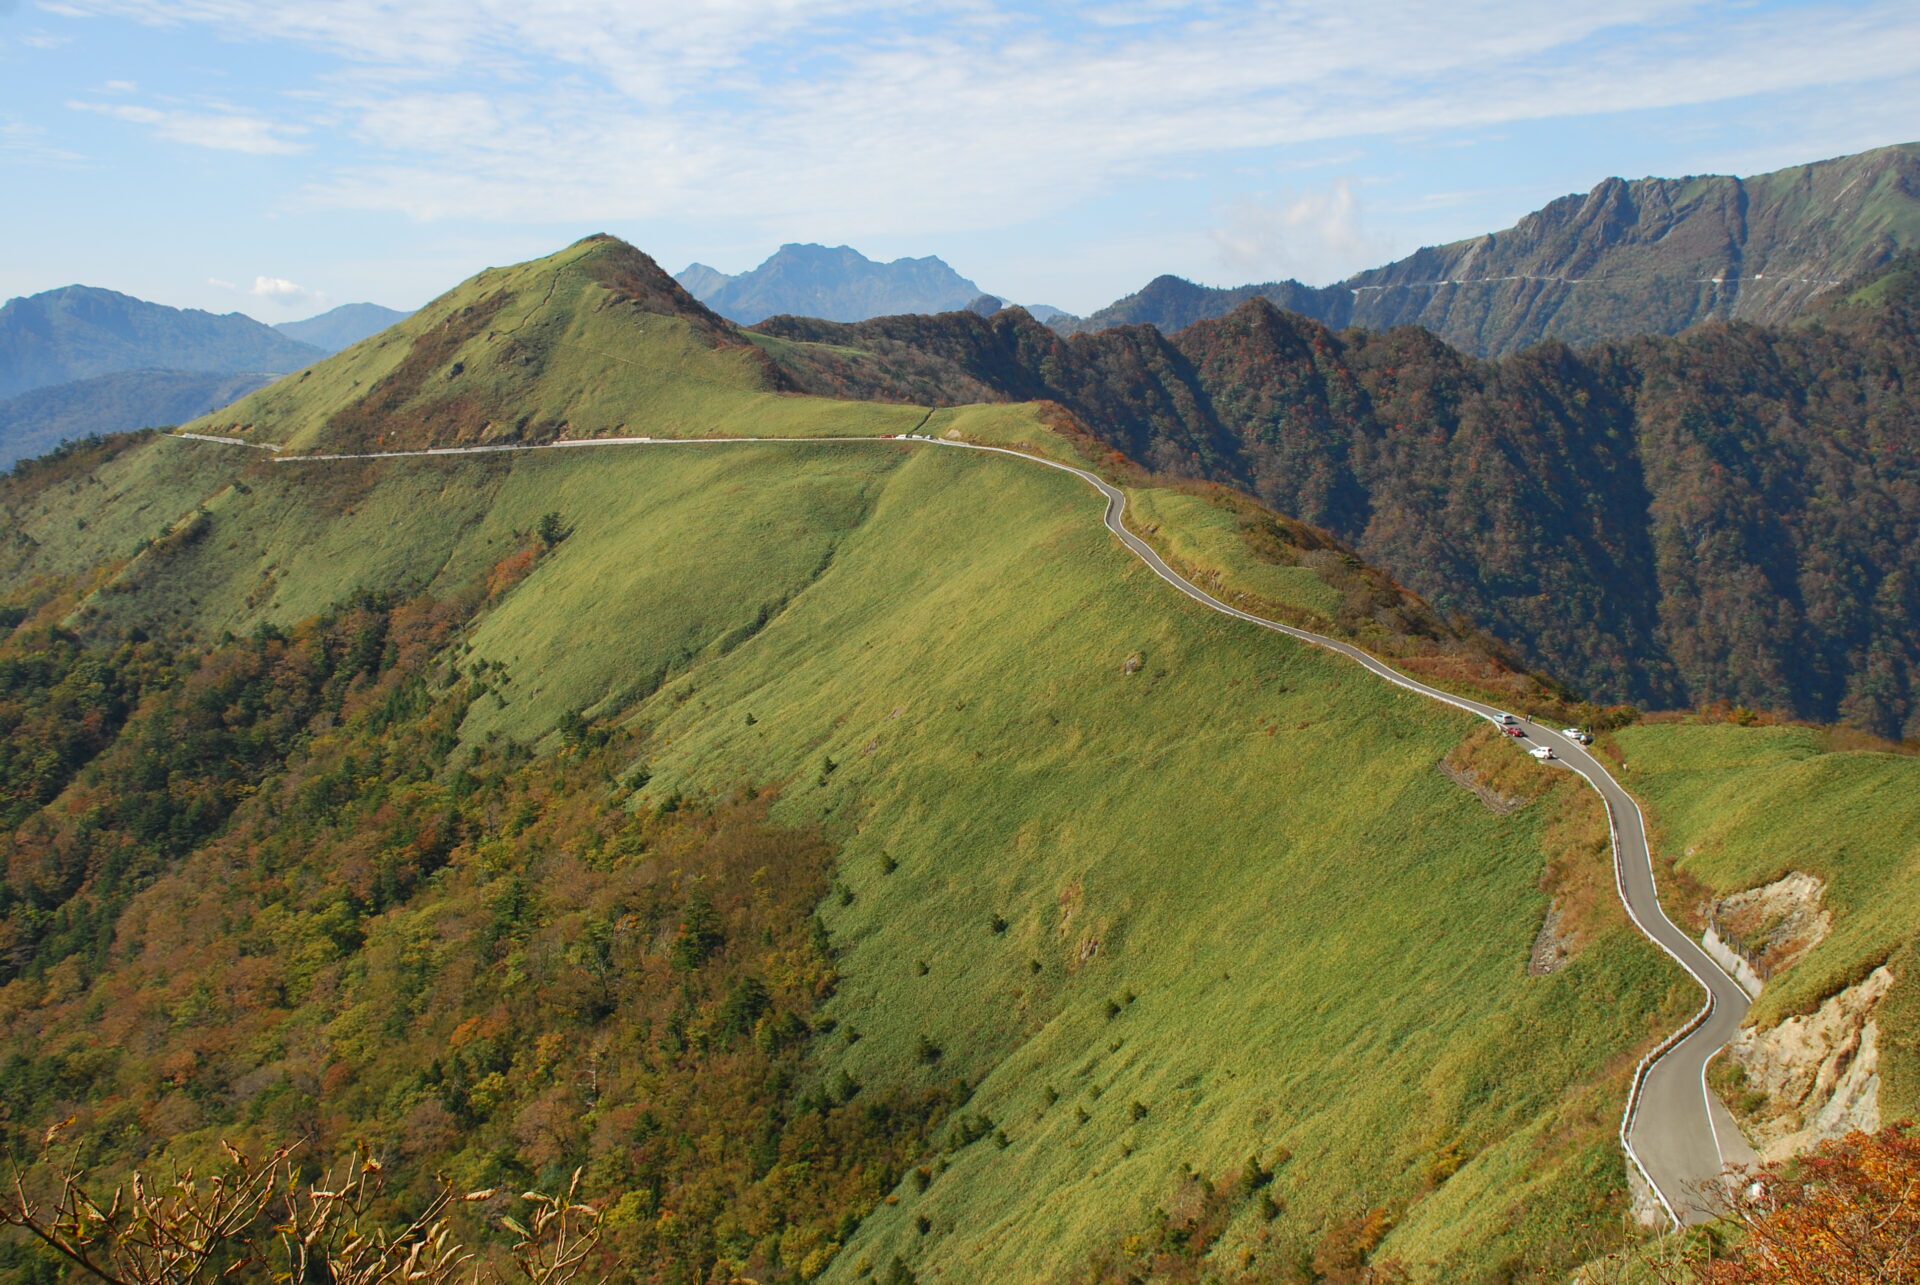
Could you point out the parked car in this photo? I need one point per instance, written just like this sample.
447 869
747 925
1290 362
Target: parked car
1513 729
1542 752
1505 720
1576 735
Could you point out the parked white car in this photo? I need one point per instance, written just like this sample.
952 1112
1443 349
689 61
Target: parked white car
1506 720
1576 735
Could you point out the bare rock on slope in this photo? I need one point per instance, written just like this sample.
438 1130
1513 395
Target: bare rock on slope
1821 1070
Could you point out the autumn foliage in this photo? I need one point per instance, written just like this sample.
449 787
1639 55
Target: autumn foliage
261 892
1848 1214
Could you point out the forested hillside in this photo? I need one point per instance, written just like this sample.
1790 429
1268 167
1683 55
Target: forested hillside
1730 515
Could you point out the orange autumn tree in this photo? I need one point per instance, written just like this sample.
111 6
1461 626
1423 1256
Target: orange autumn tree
1847 1214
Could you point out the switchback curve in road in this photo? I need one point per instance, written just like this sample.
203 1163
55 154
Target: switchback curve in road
1673 1130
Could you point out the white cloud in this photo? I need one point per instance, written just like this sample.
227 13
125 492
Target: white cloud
274 290
225 130
1311 236
873 117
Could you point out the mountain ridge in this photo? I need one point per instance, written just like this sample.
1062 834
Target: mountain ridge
77 332
1508 490
341 327
837 283
1650 255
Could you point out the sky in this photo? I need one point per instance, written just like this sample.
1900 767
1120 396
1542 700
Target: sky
280 157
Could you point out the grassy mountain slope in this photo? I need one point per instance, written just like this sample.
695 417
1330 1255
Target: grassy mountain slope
1162 890
78 332
594 341
1647 256
1729 515
1168 920
1324 940
1742 806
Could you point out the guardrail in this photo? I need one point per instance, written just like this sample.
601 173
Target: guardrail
1116 522
1654 1054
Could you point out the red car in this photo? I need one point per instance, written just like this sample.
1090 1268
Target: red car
1512 730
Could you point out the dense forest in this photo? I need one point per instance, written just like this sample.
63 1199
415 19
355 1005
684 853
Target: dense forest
1726 516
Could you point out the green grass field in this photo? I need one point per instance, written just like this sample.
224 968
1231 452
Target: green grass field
1313 944
1170 890
535 351
1736 807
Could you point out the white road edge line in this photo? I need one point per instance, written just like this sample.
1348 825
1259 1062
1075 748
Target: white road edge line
1115 521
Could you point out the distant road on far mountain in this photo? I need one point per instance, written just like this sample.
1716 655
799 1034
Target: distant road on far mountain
1651 255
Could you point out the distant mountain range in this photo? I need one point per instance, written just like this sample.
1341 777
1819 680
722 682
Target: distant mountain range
1649 256
342 327
835 284
82 360
36 421
77 332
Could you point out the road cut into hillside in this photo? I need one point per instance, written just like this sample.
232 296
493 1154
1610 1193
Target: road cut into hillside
1676 1134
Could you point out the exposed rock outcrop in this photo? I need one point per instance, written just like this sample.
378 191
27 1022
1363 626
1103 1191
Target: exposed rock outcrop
1552 946
1820 1071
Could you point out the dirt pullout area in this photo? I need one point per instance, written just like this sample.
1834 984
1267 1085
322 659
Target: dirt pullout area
1820 1072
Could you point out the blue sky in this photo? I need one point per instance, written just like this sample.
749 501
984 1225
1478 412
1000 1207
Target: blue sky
281 156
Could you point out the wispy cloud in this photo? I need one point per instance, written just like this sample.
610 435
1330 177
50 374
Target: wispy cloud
1312 236
227 131
21 142
871 116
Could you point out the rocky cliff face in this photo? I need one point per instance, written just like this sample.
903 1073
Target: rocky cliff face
1820 1071
1656 255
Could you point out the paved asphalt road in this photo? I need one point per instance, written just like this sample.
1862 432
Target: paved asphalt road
1674 1130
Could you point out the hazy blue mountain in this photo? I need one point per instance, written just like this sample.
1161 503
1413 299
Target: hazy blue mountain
35 422
1651 256
700 281
342 327
77 332
834 284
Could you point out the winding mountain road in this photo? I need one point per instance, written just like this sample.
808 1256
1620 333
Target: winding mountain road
1675 1132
